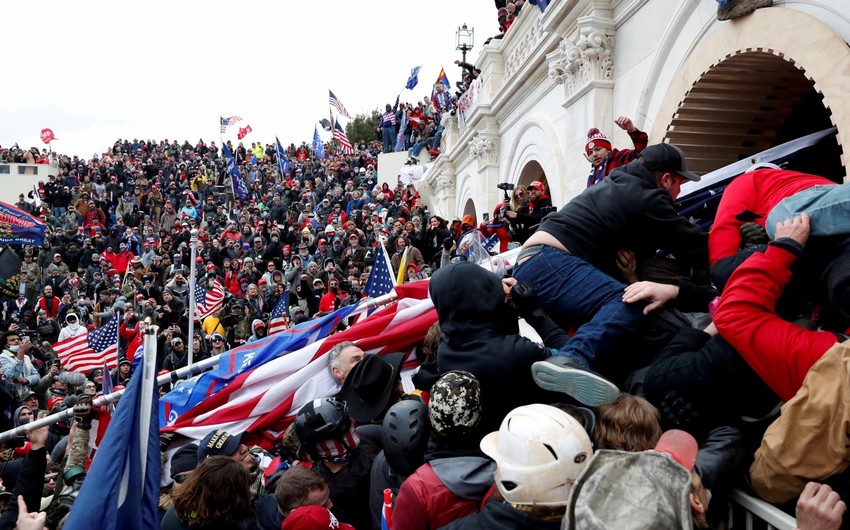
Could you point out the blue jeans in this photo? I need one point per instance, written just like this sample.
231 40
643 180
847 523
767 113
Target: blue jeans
388 137
417 147
438 136
828 208
569 286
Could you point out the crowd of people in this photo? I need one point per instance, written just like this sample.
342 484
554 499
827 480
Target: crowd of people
703 362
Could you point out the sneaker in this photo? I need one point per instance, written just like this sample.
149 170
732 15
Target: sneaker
562 374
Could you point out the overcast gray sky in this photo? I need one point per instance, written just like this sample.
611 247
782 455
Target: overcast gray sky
95 71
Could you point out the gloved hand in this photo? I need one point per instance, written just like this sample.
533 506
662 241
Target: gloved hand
752 235
524 299
677 412
82 412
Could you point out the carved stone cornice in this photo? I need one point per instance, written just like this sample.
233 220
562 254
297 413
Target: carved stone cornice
585 58
484 148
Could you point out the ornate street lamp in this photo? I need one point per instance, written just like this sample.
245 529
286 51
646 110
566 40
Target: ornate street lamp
465 39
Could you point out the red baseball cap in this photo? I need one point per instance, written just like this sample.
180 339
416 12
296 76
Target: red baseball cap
312 517
536 184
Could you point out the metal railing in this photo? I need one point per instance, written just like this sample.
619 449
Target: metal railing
750 513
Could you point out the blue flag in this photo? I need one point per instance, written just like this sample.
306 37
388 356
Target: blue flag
317 144
542 4
189 393
239 189
121 489
282 161
17 227
413 80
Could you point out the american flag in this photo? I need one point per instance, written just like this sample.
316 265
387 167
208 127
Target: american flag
276 322
208 302
225 122
339 136
262 402
381 279
87 352
335 103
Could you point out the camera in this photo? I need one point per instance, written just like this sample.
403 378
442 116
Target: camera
506 187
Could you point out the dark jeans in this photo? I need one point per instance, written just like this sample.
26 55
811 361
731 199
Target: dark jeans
568 286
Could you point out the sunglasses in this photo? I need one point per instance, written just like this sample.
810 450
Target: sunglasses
180 478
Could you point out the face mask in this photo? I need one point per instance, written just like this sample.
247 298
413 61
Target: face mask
15 348
74 327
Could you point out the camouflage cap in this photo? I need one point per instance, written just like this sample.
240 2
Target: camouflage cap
455 405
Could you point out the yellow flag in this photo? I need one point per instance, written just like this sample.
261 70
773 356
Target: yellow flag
402 267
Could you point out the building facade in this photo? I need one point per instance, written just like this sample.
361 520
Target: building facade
721 90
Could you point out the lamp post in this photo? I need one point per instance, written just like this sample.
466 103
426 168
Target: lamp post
465 38
193 243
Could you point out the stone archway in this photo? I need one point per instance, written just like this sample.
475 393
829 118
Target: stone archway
745 104
769 77
530 172
469 209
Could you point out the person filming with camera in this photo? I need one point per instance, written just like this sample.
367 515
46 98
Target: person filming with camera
19 372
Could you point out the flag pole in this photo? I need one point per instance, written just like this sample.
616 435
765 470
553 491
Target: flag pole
180 373
147 390
193 242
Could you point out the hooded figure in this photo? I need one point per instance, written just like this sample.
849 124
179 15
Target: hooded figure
480 335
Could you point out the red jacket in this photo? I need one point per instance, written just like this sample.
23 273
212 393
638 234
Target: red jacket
758 192
780 352
425 503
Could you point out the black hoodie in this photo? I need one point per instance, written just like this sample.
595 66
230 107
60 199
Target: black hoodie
480 334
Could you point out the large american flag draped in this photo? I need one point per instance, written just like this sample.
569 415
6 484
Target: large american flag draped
226 122
233 363
281 308
335 103
89 351
381 280
263 401
208 302
339 136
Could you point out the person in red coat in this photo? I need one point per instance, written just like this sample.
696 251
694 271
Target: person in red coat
808 369
751 197
498 225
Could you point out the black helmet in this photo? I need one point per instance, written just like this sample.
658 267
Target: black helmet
405 436
321 419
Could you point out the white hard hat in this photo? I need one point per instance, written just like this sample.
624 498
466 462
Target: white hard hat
539 452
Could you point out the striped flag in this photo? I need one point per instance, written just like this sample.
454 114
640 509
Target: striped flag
226 122
339 136
381 279
234 363
442 79
87 352
276 321
208 302
335 103
263 402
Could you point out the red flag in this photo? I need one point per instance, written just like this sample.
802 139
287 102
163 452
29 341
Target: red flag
264 401
243 131
47 136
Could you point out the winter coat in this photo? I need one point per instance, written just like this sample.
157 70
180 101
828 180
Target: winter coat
442 491
626 210
480 334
